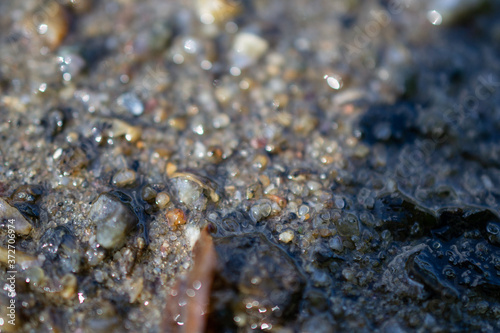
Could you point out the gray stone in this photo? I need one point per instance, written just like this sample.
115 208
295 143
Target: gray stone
113 220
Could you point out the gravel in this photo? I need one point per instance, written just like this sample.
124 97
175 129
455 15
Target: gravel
336 161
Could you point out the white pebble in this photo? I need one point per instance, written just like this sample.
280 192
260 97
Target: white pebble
131 103
247 49
286 236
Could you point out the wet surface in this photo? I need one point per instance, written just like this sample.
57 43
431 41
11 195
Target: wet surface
239 166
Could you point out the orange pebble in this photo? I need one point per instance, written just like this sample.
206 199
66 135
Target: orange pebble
176 217
279 200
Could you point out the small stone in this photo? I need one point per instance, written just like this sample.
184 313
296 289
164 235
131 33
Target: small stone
69 286
348 225
313 186
120 128
54 27
113 220
135 289
247 49
286 236
124 178
217 11
36 276
348 274
131 103
170 169
162 200
19 222
190 193
176 217
260 212
303 210
361 151
179 123
223 95
260 162
335 244
221 120
148 193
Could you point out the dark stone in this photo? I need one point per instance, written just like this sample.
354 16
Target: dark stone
61 249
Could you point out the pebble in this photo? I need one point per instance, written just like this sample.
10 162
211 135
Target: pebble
113 220
348 274
131 103
148 194
7 212
361 151
313 186
176 217
124 177
247 49
162 200
221 121
178 123
260 162
69 285
335 243
260 211
121 128
286 236
54 26
217 11
188 192
170 169
348 225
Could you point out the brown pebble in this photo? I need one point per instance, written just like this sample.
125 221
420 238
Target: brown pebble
51 23
170 169
279 200
264 180
69 286
260 162
178 123
215 154
163 152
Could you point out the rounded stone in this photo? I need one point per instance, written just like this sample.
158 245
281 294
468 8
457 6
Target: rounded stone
113 219
124 178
